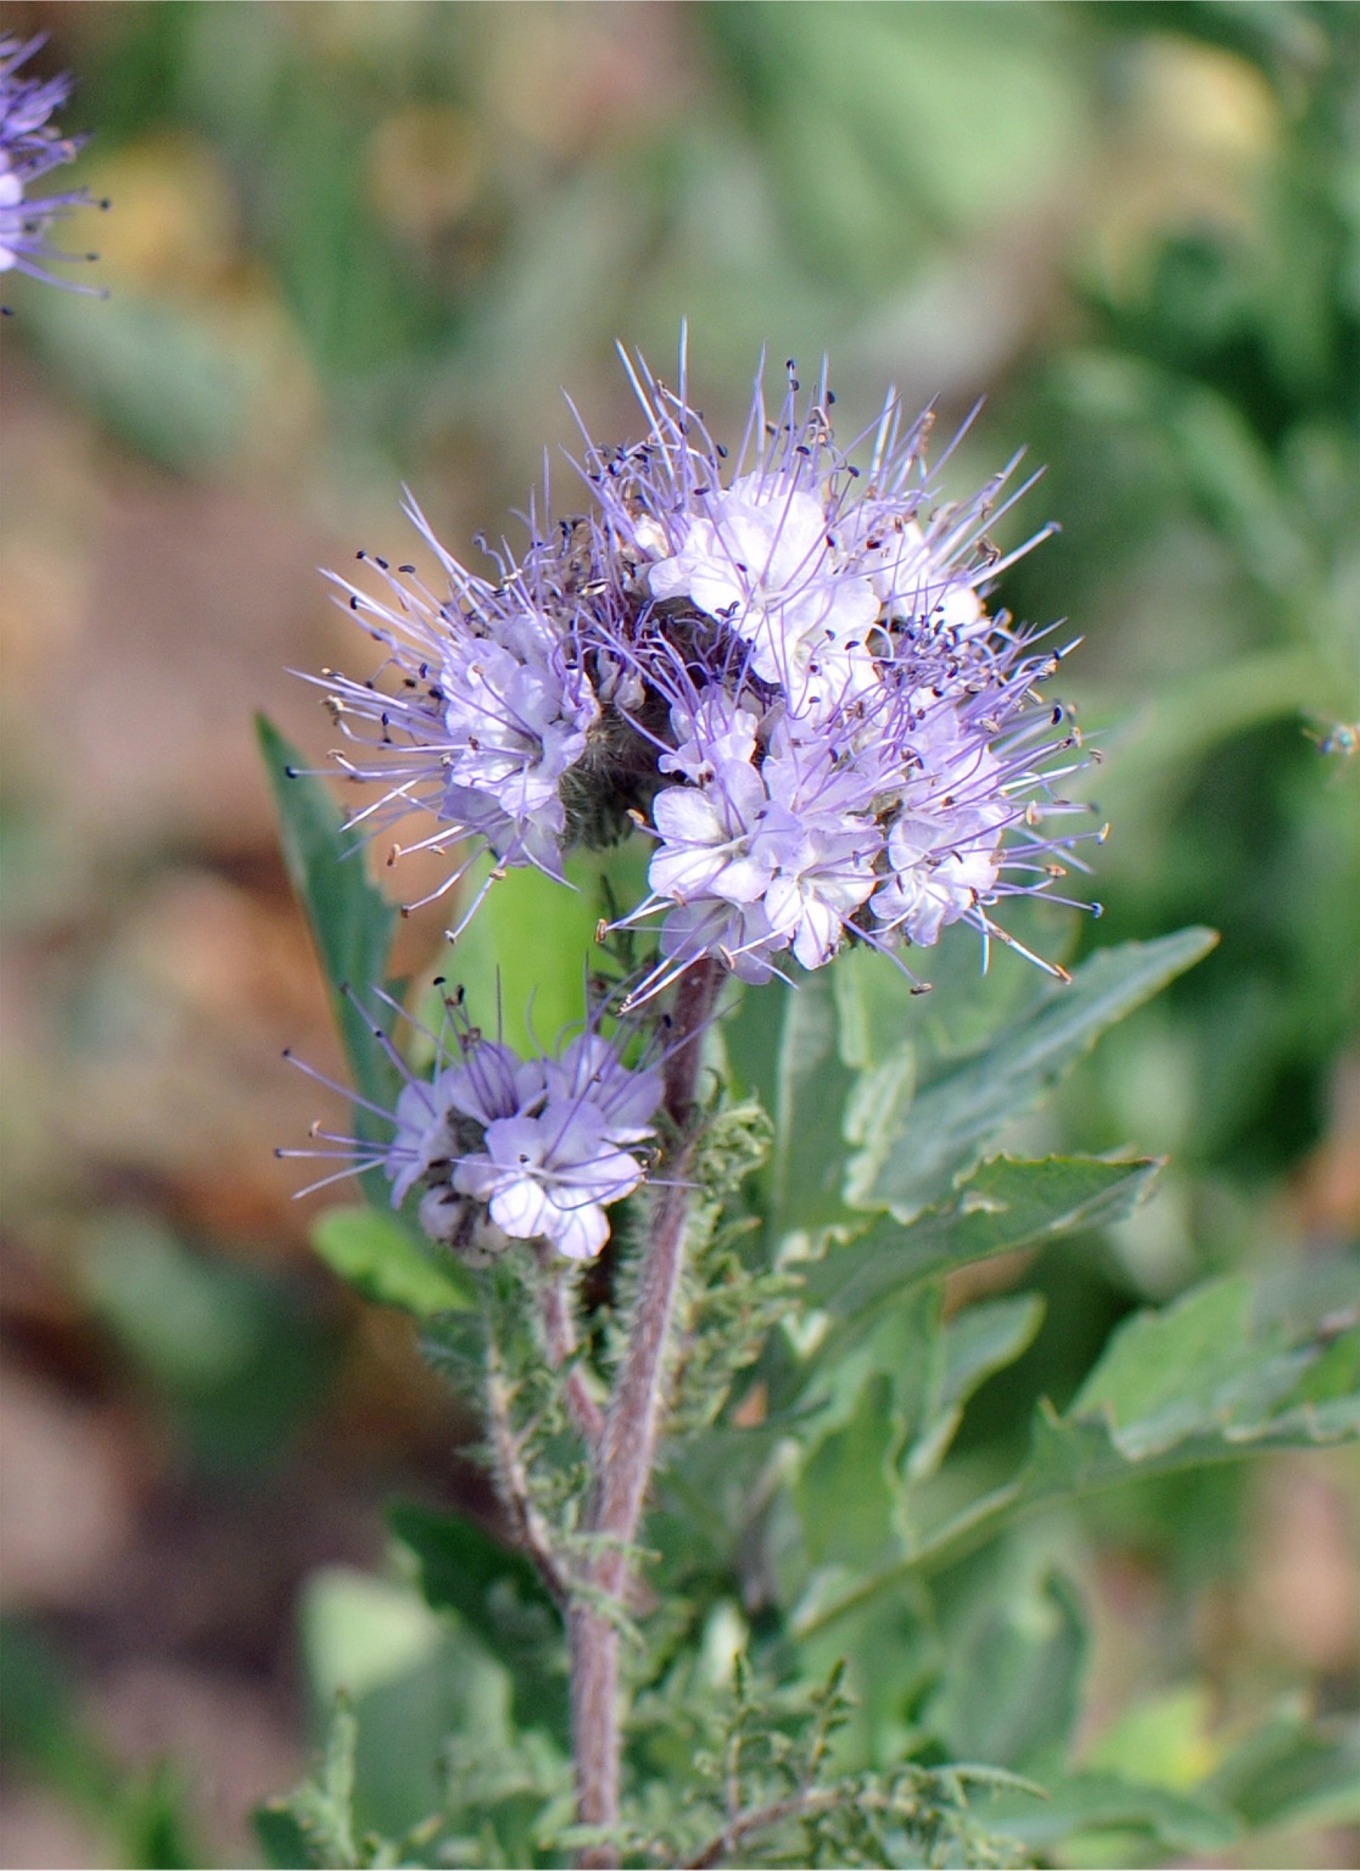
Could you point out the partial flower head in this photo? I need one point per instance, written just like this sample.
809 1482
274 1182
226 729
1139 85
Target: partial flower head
782 667
30 146
507 1148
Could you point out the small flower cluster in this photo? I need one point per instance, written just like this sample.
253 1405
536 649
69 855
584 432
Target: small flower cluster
29 147
786 675
505 1148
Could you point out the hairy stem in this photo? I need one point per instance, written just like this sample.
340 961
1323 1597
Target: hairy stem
627 1445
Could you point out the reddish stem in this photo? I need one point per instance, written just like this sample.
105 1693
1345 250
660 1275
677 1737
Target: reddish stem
627 1447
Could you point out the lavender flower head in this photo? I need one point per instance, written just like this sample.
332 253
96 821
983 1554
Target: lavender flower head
504 1148
783 669
30 146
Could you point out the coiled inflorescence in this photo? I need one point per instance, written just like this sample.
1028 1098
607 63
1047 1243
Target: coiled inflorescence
30 146
782 669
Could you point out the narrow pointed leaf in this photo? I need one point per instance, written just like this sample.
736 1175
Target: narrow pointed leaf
936 1133
351 921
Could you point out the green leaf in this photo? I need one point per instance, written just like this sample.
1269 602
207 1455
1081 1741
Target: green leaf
1012 1689
351 921
1177 1822
282 1839
845 1492
1196 1365
323 1808
378 1256
1006 1204
812 1087
524 957
1294 1771
929 1138
982 1340
1203 1381
1163 1739
502 1601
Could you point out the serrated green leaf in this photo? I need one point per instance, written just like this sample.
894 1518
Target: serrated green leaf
503 1603
350 919
1167 1395
932 1137
1006 1204
1195 1365
323 1807
378 1256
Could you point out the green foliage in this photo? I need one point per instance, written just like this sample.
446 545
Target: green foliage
1004 1205
730 1302
383 1260
142 1816
350 919
821 1243
501 1597
930 1133
766 1789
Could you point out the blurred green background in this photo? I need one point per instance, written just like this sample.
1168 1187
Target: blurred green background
359 244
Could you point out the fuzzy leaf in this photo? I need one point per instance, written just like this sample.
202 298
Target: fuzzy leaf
930 1137
350 919
502 1601
379 1257
321 1811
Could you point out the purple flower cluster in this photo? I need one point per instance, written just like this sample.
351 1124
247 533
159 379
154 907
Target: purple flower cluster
506 1148
29 147
784 671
